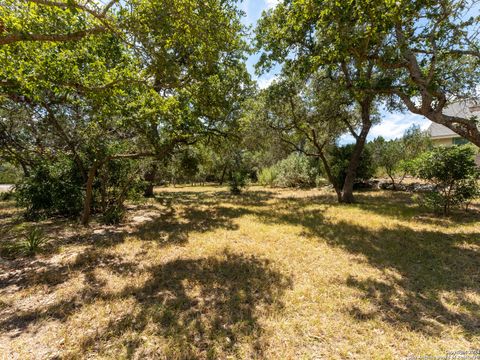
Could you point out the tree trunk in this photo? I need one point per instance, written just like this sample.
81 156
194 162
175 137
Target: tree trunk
88 195
148 193
347 190
150 176
25 170
393 182
222 179
328 171
103 192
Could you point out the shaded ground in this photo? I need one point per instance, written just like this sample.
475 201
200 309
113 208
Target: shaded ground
198 273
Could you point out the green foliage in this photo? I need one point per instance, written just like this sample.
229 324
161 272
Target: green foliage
417 54
33 241
29 241
7 196
113 215
238 180
96 102
340 159
268 176
453 172
415 141
296 171
117 182
320 181
393 156
238 174
468 191
184 167
51 189
9 174
387 155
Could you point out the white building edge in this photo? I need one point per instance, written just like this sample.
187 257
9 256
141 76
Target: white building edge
443 136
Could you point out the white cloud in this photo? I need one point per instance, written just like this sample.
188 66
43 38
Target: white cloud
265 82
392 126
271 3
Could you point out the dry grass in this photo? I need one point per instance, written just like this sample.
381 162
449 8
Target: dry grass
197 274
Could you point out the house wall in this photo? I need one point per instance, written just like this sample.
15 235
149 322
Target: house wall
442 142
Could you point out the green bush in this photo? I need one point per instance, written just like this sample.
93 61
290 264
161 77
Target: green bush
113 215
51 189
268 176
116 182
7 196
28 242
468 191
9 174
296 171
340 160
320 181
239 173
454 174
238 180
33 241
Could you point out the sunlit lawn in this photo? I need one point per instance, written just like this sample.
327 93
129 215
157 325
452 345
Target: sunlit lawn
277 274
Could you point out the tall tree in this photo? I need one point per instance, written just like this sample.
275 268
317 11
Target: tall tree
428 50
173 75
432 52
310 118
309 36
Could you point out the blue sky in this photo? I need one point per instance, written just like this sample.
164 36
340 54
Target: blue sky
393 125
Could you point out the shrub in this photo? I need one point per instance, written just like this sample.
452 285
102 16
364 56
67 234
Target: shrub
320 181
9 174
238 180
29 243
116 182
340 160
51 189
113 215
7 196
468 190
453 172
295 171
33 241
268 176
239 173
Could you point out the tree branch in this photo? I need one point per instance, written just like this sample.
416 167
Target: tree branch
12 38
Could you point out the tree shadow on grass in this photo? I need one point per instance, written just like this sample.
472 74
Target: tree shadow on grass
171 228
201 308
165 227
402 206
437 271
190 198
182 213
428 276
204 307
50 276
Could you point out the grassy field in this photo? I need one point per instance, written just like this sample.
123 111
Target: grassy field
274 274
